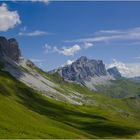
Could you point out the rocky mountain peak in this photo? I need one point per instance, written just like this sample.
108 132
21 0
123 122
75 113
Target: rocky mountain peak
114 72
88 72
83 59
9 48
82 70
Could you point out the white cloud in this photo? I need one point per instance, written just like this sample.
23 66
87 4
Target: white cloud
87 45
111 35
33 33
68 51
8 19
43 1
123 69
109 32
128 69
68 62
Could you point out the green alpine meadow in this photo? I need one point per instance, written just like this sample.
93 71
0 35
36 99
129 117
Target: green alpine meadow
26 113
69 70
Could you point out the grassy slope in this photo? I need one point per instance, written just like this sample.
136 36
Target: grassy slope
121 88
26 114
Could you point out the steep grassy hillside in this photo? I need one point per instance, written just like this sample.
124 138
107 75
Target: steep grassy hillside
121 88
25 113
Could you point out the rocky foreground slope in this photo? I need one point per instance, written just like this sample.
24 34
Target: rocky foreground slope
25 71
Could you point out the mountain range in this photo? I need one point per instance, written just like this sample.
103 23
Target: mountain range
80 100
88 72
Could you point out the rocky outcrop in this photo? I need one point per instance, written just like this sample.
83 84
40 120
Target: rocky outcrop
88 72
30 64
9 48
82 70
114 72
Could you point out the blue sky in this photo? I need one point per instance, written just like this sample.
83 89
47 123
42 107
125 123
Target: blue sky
50 33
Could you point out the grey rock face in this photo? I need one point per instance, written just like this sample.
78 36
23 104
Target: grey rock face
114 72
30 64
83 69
9 48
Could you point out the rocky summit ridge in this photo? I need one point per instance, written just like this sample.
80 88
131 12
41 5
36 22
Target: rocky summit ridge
82 69
88 72
9 48
114 72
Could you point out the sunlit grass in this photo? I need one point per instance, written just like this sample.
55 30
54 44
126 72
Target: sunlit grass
24 113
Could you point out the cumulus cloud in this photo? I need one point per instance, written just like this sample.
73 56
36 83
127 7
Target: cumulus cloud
126 69
68 51
33 33
68 62
8 19
123 69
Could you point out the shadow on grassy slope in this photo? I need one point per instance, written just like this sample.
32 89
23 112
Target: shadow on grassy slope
108 129
92 124
63 112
